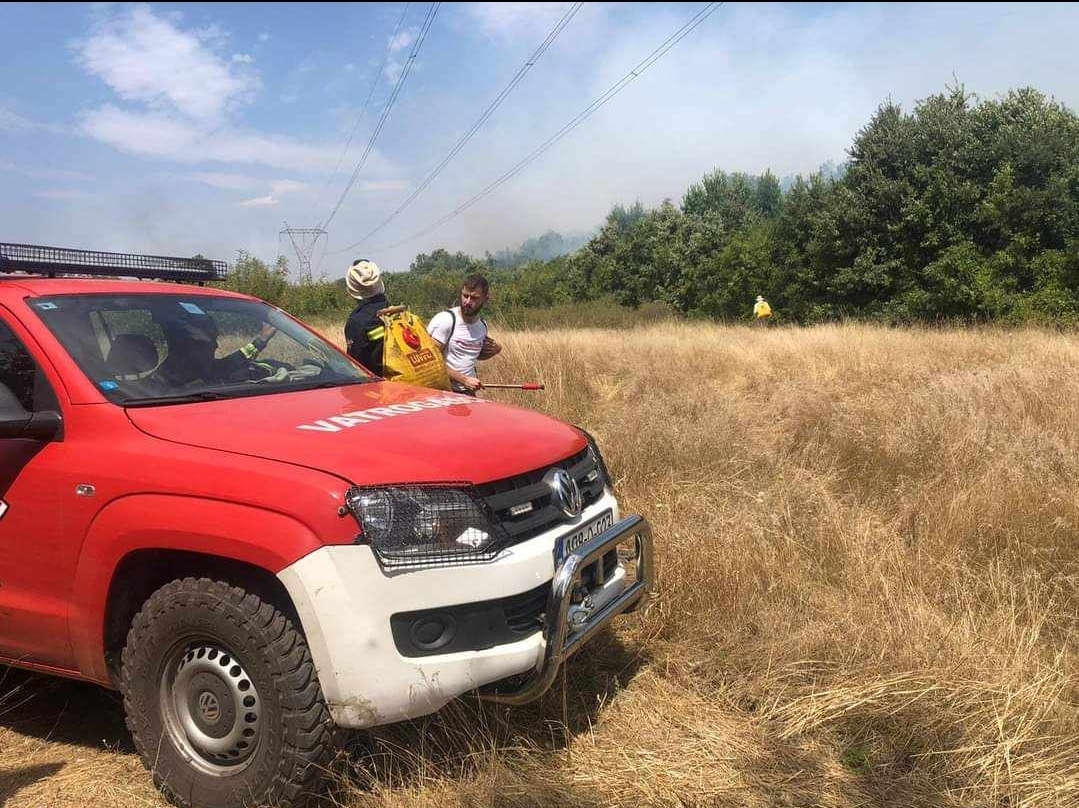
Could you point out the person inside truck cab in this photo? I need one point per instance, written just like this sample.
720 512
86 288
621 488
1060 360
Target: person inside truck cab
192 347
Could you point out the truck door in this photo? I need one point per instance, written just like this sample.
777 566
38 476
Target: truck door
36 566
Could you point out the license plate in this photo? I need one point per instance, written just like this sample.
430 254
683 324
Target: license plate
567 544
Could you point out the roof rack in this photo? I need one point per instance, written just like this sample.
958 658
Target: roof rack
53 261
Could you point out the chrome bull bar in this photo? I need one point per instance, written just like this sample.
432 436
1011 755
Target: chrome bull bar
563 640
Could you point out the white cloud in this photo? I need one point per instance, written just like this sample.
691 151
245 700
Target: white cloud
168 137
503 19
213 33
287 187
11 122
395 63
402 40
259 202
146 58
264 37
392 70
188 94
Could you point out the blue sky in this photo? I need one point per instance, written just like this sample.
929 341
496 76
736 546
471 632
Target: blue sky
183 128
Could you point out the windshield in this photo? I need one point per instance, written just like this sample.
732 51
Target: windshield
145 350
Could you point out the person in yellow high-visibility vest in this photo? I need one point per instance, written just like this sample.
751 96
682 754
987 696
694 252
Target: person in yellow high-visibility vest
761 310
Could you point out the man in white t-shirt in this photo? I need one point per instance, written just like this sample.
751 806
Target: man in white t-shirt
462 335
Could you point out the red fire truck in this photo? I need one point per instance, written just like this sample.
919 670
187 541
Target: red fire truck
207 506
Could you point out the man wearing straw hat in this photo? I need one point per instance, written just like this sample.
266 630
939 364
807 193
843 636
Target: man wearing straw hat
365 335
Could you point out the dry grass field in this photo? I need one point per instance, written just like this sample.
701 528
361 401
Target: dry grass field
868 592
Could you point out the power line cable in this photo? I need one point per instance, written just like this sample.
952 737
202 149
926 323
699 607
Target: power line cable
366 102
617 87
487 113
428 20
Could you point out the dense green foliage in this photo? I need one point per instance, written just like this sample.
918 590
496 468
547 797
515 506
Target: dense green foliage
960 210
526 296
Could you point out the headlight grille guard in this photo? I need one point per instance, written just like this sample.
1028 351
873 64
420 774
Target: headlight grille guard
600 462
430 524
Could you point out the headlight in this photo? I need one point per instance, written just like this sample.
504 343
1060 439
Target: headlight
593 447
409 525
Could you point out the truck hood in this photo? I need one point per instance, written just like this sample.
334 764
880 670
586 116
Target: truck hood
371 434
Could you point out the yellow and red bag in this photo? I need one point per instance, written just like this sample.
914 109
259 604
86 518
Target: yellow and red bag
409 354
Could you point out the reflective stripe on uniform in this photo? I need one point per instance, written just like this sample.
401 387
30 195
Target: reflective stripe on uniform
376 333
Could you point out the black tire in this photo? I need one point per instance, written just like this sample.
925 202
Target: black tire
222 699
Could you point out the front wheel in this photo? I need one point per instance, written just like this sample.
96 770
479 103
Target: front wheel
222 698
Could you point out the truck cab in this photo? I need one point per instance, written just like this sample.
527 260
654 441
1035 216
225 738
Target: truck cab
209 507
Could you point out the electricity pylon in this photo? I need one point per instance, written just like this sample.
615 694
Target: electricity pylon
303 241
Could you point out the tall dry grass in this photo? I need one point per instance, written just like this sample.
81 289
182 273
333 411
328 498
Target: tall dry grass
868 593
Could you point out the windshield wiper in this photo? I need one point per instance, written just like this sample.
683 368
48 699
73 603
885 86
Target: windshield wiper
248 389
186 398
323 385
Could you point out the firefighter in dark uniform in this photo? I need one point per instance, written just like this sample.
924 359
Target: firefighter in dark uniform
365 335
191 341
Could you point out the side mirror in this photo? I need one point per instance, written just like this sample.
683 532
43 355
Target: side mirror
16 422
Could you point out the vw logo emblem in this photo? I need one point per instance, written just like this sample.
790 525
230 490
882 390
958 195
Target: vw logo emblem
209 706
565 493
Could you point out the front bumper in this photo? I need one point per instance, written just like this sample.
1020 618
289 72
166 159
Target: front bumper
345 602
565 637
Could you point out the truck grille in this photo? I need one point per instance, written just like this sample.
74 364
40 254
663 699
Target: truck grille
528 489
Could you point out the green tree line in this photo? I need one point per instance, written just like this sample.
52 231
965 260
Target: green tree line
960 210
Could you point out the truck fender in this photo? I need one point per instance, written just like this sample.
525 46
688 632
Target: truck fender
251 535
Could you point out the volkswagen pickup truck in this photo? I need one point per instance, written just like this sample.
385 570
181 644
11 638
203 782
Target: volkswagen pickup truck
210 508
